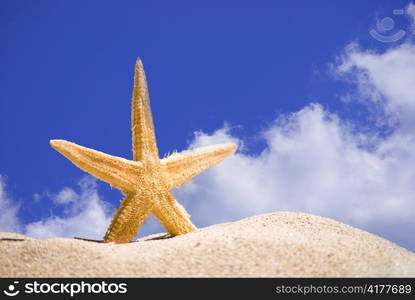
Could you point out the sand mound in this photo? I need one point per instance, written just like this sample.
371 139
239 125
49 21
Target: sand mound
272 245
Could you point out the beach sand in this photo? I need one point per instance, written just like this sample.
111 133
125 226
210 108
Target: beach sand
283 244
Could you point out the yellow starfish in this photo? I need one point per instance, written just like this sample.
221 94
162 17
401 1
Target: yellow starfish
146 180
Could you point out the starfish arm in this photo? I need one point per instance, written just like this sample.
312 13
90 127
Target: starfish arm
118 172
181 167
133 210
143 135
173 216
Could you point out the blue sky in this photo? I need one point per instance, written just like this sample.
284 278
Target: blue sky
67 70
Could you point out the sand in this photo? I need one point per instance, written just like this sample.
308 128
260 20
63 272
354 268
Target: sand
282 244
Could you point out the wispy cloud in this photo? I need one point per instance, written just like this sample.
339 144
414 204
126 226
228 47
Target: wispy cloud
84 213
9 210
410 10
383 80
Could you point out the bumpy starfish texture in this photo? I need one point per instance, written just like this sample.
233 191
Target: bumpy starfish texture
146 180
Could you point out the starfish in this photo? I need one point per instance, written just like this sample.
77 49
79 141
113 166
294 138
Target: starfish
146 180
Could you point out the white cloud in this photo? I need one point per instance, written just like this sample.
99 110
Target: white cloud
312 163
8 217
410 11
66 195
85 214
386 80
